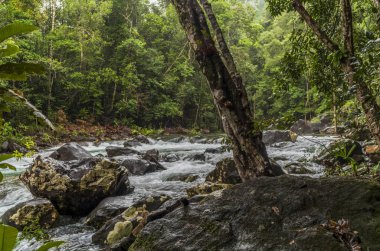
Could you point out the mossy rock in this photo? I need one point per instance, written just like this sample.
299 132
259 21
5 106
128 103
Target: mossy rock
277 214
36 211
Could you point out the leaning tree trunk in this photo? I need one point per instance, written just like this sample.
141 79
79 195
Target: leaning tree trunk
225 83
363 92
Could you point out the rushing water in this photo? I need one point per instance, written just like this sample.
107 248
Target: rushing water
78 236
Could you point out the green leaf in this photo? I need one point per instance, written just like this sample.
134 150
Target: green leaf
351 150
15 29
1 176
50 244
19 71
6 165
8 236
4 107
9 50
5 157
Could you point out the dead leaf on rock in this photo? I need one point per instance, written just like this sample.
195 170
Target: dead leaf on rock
276 210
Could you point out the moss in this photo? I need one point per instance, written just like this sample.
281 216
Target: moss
210 227
130 212
143 244
120 230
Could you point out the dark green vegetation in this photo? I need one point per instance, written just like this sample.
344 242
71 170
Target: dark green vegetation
123 62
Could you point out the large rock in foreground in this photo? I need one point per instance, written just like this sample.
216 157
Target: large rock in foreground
280 213
76 187
38 212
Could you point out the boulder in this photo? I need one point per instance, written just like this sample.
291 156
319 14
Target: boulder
152 155
279 213
76 187
297 168
36 211
301 127
123 225
171 157
142 139
131 144
218 150
196 157
340 153
206 188
70 151
276 136
11 146
225 172
113 151
106 210
183 177
137 166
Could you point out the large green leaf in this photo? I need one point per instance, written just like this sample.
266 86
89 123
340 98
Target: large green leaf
6 165
5 157
8 236
50 244
15 29
19 71
9 50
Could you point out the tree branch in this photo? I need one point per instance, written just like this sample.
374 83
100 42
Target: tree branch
36 112
322 36
348 31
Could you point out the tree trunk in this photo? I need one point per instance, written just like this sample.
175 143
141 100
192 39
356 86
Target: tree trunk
51 54
229 94
363 92
377 6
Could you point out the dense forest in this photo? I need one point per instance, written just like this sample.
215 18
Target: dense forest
129 63
189 125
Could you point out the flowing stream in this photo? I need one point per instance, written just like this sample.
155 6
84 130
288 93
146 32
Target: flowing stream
78 236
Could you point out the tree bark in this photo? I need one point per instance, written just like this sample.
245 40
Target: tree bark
51 54
377 6
229 94
363 92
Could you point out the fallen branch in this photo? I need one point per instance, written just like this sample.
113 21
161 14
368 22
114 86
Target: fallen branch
36 112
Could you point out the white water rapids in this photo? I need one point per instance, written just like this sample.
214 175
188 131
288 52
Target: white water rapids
78 236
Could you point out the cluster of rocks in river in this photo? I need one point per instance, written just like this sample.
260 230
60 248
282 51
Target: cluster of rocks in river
282 213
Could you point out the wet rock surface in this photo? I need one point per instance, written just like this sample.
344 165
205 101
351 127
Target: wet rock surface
106 210
113 151
183 177
118 229
206 188
76 187
138 166
225 172
281 213
37 212
11 146
276 136
70 151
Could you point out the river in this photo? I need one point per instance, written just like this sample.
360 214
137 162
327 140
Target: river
77 236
